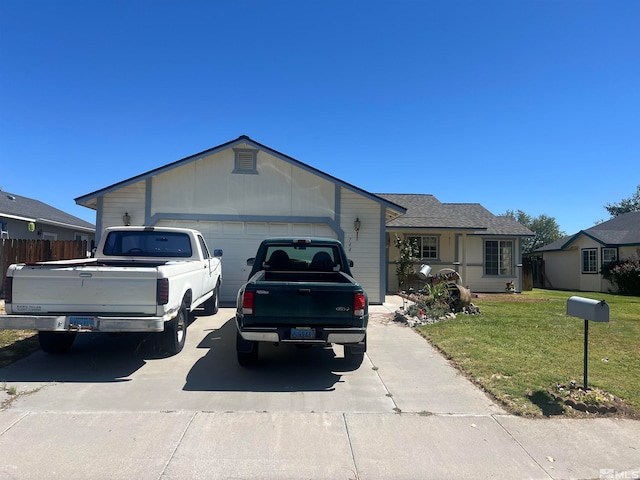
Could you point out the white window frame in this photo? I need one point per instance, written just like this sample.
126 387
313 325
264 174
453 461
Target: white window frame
434 253
505 260
589 259
609 254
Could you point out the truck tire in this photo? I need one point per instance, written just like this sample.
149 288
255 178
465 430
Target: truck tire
212 305
175 333
56 342
247 351
354 353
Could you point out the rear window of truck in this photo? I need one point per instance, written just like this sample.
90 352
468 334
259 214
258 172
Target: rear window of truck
318 258
147 244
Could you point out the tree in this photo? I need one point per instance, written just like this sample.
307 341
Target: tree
626 205
546 229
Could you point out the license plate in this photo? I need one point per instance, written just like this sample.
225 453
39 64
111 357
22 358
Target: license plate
301 333
82 323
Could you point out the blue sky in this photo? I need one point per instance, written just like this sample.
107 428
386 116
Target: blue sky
530 104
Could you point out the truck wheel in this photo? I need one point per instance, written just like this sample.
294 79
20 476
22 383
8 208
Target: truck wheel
247 351
175 333
212 305
56 342
354 353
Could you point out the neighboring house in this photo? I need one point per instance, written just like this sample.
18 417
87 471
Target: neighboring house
485 249
26 218
574 262
241 192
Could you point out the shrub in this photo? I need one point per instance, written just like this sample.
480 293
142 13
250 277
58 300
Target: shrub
625 274
408 255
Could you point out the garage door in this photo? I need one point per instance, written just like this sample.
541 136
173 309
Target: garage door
240 241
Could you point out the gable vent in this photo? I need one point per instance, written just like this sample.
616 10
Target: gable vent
245 161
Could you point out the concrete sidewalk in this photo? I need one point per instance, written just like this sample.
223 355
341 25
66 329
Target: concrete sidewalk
103 413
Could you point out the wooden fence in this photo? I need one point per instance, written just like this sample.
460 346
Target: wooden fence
29 251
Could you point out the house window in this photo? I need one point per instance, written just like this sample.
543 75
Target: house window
609 255
427 246
590 260
498 257
245 161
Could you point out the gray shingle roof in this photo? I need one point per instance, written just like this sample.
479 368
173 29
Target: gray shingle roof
621 230
19 206
426 211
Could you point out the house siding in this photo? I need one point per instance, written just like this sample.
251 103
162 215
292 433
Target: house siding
18 229
562 269
588 282
446 254
279 189
458 251
236 211
364 249
129 199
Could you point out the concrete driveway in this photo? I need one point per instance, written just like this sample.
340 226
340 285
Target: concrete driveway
113 409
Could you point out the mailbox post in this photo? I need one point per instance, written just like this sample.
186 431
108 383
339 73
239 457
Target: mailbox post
591 311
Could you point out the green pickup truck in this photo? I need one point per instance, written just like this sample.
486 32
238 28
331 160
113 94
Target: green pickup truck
300 291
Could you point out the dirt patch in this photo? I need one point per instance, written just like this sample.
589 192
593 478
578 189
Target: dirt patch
506 297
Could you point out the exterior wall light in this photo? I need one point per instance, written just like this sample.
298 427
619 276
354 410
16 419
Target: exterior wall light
126 219
356 226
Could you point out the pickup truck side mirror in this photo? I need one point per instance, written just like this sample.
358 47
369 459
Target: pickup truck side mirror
250 262
217 252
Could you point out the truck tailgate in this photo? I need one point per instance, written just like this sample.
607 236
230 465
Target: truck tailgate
303 303
85 289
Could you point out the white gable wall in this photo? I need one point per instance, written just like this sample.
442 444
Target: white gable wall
562 269
129 199
235 211
279 189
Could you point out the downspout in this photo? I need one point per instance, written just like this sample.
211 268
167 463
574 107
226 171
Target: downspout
519 265
382 256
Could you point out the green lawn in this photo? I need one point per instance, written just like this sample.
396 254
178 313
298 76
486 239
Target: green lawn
522 344
16 344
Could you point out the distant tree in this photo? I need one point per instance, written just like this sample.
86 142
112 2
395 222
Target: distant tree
626 205
545 228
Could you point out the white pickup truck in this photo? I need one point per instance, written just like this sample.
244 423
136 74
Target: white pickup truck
140 279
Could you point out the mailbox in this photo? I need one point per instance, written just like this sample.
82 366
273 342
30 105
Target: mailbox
594 310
